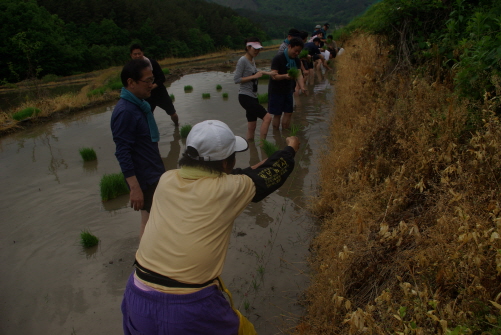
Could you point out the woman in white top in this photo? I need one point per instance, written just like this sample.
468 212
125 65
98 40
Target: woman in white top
247 75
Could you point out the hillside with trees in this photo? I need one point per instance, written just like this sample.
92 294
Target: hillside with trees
336 12
67 37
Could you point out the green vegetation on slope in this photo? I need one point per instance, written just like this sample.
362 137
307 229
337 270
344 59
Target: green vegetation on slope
67 37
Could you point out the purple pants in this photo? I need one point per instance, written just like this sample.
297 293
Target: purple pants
204 312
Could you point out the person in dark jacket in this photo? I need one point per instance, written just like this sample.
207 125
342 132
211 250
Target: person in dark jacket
159 95
136 137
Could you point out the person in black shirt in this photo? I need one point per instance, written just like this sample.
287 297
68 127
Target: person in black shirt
159 95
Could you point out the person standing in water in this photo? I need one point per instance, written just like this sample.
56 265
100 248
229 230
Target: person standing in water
136 137
282 86
247 75
159 95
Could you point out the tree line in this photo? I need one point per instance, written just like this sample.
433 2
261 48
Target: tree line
68 37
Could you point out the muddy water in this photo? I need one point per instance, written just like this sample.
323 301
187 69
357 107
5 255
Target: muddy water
50 285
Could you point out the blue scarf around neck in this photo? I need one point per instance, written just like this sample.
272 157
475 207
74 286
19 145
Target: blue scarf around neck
291 62
146 108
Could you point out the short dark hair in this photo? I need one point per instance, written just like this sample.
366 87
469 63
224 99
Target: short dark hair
134 47
133 69
294 32
211 166
303 34
251 39
316 39
296 41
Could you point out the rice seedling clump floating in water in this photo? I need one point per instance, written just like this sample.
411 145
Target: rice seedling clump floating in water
188 88
185 130
294 129
87 239
219 87
225 95
113 185
206 95
172 97
88 154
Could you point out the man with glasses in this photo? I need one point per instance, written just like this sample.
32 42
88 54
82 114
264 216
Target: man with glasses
136 136
159 95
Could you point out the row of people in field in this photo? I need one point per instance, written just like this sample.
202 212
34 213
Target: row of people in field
296 60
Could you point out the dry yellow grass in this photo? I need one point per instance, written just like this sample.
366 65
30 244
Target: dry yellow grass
410 207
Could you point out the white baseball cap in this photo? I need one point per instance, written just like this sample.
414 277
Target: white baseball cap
214 141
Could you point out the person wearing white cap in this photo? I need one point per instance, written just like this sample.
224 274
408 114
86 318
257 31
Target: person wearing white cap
247 75
175 287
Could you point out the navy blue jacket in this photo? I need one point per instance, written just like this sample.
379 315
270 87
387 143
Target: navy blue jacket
135 151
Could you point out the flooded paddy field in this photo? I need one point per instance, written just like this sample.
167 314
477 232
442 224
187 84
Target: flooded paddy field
50 285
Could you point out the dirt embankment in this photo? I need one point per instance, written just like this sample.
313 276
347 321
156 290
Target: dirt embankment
64 105
410 206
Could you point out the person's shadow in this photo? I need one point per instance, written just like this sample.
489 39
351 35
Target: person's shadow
170 162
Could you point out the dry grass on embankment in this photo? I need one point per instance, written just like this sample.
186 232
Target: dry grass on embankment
409 206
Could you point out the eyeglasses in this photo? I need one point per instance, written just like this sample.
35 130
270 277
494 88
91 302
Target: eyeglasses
148 81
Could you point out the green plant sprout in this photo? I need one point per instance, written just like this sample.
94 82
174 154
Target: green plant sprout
185 130
112 186
172 97
166 71
87 239
294 129
225 95
25 113
293 73
268 147
88 154
262 98
206 95
219 87
303 54
188 88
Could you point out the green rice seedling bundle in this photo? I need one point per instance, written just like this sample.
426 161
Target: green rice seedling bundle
172 97
293 73
303 54
268 147
219 87
225 95
206 95
25 113
188 88
112 186
294 129
87 239
185 130
262 98
166 71
88 154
